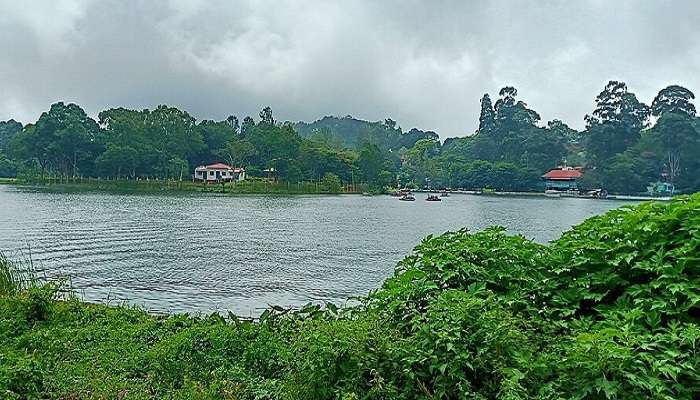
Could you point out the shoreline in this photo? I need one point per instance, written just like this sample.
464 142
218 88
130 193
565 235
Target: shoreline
263 187
185 187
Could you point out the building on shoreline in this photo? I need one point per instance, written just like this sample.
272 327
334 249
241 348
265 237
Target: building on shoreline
563 178
219 172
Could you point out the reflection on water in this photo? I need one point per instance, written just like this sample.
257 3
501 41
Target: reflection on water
207 253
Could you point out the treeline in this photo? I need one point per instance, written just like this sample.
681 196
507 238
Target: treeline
168 143
625 146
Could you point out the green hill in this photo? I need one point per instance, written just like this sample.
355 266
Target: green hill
353 133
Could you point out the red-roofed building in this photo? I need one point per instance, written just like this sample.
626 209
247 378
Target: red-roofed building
563 178
219 172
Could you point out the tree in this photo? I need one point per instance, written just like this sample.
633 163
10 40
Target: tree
370 163
390 124
122 129
176 168
673 99
561 129
487 116
64 140
238 152
215 135
8 169
512 115
616 122
247 126
678 146
232 122
316 159
117 159
327 137
615 104
266 116
173 133
8 130
331 183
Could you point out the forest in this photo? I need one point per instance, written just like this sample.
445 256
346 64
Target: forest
625 146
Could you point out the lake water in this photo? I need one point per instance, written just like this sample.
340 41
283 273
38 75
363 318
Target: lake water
205 253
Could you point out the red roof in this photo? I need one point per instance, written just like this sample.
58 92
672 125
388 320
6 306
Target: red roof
565 174
218 166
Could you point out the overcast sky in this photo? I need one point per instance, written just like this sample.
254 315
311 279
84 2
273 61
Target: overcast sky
425 64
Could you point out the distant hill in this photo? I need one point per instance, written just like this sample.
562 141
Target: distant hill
353 133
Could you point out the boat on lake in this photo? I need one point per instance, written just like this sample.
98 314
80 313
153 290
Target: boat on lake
433 197
407 197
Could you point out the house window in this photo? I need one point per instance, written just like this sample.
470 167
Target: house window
211 173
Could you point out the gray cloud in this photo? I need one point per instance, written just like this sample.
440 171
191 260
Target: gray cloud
422 63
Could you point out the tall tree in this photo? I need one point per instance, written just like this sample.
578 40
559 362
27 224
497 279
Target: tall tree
370 163
247 126
232 122
174 135
215 135
64 140
512 114
561 129
677 134
673 99
616 122
266 116
127 145
487 116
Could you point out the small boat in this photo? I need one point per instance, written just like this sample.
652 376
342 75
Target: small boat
407 197
552 193
367 194
401 192
432 197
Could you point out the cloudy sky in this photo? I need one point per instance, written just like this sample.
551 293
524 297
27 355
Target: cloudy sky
423 63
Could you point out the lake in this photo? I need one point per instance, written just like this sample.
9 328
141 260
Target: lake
203 253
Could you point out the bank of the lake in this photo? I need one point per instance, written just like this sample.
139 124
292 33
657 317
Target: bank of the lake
609 310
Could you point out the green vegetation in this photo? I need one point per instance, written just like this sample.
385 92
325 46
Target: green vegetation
165 144
620 149
252 186
611 310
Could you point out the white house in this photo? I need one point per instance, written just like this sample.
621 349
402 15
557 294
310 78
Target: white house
219 172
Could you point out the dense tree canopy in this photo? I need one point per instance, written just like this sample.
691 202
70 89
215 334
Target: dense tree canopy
625 146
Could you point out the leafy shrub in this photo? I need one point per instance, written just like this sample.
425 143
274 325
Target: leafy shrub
331 183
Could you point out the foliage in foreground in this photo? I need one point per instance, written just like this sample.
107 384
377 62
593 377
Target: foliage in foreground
610 310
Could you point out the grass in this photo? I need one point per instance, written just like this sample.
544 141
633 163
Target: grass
15 276
252 186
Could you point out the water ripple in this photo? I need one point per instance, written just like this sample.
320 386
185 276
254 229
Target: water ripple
202 254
